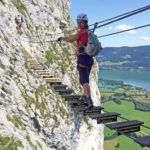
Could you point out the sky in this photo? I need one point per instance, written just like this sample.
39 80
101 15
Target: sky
98 10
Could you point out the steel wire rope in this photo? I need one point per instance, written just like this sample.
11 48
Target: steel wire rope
121 15
128 14
103 35
124 30
148 7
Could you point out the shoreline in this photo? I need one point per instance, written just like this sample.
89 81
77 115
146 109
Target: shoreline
135 78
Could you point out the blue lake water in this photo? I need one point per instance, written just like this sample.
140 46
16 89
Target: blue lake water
135 78
105 86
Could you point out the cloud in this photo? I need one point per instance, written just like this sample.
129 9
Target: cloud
110 28
123 27
145 38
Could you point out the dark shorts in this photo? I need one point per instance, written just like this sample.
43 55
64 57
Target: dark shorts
84 74
84 66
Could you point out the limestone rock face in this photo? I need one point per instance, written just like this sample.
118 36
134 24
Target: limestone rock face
32 114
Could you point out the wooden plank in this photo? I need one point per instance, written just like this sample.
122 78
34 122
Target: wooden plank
64 91
34 64
43 73
105 117
56 87
71 97
54 82
91 110
32 61
126 126
37 67
50 79
47 76
77 104
143 141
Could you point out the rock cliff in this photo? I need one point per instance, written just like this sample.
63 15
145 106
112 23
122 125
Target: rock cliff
32 115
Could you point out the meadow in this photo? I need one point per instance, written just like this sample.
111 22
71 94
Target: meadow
126 109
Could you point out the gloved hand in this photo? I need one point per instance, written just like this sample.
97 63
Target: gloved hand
59 39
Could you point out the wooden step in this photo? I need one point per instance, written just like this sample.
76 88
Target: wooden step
105 117
47 76
71 97
90 111
41 71
59 87
44 73
48 80
27 56
54 83
126 126
77 104
64 91
38 67
34 63
143 141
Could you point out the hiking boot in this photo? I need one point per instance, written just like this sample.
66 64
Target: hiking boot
89 101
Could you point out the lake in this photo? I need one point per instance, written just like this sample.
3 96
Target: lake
135 78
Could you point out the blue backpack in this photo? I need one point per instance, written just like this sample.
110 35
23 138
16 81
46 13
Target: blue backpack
21 19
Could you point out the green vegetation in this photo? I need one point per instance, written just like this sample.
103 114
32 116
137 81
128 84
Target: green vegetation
63 68
29 27
121 92
16 120
31 144
20 6
125 58
50 56
131 103
26 64
126 109
121 143
39 105
86 119
39 144
109 63
3 2
52 9
6 39
57 123
63 112
67 33
9 143
2 66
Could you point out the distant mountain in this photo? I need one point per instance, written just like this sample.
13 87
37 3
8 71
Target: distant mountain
125 58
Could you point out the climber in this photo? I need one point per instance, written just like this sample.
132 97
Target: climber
19 21
84 62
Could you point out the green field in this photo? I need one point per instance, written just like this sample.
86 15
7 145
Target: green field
126 109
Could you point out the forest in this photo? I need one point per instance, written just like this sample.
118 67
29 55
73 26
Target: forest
125 58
